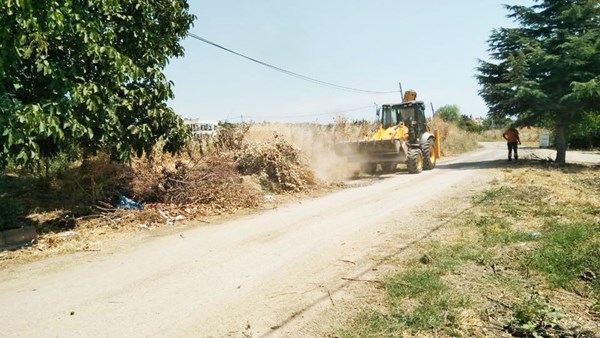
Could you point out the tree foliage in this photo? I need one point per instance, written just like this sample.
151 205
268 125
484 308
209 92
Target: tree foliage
546 70
87 74
449 112
494 122
586 132
468 123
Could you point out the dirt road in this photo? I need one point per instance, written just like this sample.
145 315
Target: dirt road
282 272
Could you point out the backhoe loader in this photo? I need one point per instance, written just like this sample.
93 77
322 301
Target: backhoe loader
403 136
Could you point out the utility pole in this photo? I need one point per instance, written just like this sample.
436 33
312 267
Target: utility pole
401 91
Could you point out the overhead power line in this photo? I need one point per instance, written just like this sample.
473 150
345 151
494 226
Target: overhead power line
322 114
307 115
287 72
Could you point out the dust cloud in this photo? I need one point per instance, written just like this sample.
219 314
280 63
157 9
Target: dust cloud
316 142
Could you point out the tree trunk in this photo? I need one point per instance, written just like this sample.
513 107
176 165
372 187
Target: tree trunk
561 144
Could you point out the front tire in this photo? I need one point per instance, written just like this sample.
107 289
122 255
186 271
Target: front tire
429 154
415 161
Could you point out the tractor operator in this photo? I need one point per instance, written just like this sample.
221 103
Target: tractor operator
511 135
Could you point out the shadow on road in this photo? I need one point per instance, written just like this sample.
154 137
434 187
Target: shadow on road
487 164
505 164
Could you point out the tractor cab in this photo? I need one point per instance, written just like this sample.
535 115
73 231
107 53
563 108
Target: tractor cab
410 114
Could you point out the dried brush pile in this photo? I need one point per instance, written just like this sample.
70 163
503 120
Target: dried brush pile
211 185
100 179
231 138
280 166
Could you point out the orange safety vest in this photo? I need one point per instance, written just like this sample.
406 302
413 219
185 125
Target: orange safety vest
512 135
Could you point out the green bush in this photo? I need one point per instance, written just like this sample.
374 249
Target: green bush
586 133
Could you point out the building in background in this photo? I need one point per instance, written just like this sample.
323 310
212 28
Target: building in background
200 127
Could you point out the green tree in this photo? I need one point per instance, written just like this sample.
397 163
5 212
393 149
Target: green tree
88 75
449 112
495 122
585 133
469 124
546 71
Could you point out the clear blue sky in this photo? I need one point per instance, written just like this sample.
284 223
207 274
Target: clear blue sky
430 46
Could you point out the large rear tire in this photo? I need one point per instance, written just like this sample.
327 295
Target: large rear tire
414 161
429 154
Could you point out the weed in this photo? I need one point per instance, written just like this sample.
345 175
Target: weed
371 324
491 195
448 258
420 300
436 304
591 210
526 134
212 182
231 138
496 230
415 283
565 252
534 318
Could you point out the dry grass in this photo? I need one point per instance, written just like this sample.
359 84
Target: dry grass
453 139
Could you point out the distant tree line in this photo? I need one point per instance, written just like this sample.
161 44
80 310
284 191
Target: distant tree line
583 134
452 113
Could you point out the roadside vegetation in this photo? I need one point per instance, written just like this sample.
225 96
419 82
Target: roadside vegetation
524 260
75 205
455 140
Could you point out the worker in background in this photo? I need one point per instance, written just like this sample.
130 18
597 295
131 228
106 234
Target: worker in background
511 135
